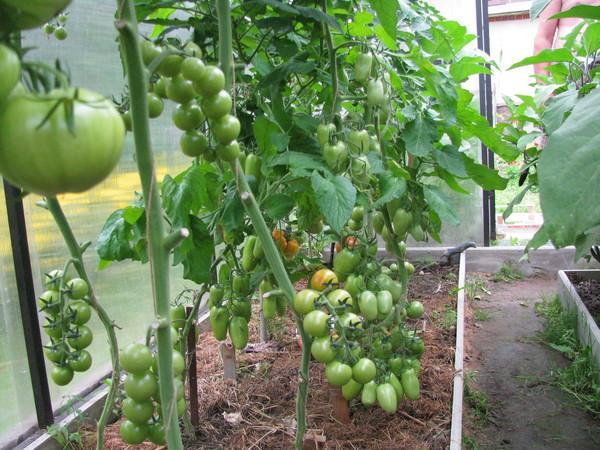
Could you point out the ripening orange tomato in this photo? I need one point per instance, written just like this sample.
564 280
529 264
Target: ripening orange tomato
291 248
322 278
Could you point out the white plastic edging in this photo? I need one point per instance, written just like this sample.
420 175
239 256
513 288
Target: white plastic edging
457 393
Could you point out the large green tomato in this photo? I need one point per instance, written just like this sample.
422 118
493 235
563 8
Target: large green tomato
369 394
324 132
141 386
156 433
137 412
364 370
136 358
351 389
362 67
375 93
410 384
415 309
226 129
24 15
385 303
367 302
322 349
238 332
133 433
336 155
50 159
345 262
61 375
304 301
10 68
338 373
402 220
387 398
315 323
217 105
339 297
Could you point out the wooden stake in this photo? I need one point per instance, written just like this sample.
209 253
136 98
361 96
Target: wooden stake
262 324
192 374
341 410
228 357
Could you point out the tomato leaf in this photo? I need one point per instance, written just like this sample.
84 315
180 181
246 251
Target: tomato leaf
387 13
181 195
579 12
277 206
556 110
269 137
120 239
419 136
437 202
450 159
336 197
515 201
545 56
391 187
197 258
485 177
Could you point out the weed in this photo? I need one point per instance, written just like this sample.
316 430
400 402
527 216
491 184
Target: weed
469 443
581 378
479 402
481 315
66 439
474 288
445 319
508 272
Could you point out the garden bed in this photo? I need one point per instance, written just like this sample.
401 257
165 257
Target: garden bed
259 411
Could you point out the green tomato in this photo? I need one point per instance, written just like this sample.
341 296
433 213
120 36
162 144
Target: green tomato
141 386
48 28
410 269
345 262
177 314
82 312
415 309
178 363
170 66
155 105
192 49
358 213
77 288
192 69
410 384
362 67
322 349
226 129
81 361
212 81
83 338
395 382
215 295
10 67
180 90
340 297
385 303
359 141
364 370
375 93
219 320
138 412
217 106
367 303
228 152
55 158
402 220
31 13
351 389
316 323
56 353
60 33
269 307
187 117
149 51
61 375
369 394
336 156
354 285
338 373
396 365
387 398
416 346
361 169
304 301
54 330
193 143
156 433
136 358
133 433
160 87
417 233
180 407
324 132
48 302
350 319
238 332
53 278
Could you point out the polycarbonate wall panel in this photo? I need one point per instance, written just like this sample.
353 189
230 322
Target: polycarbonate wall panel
17 410
91 54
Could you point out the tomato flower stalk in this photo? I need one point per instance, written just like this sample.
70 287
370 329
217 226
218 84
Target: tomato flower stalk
271 253
76 252
159 244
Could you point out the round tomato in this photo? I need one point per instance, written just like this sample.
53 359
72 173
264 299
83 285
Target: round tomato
322 279
416 346
45 156
217 105
178 363
60 33
339 297
349 319
10 67
358 213
345 262
53 278
149 51
156 433
54 330
351 389
136 358
77 288
212 81
304 301
170 66
226 129
141 386
32 13
316 323
387 398
82 339
61 375
180 90
338 373
192 69
410 269
177 314
324 132
364 370
137 412
48 302
336 155
192 49
187 117
160 87
367 303
193 143
228 152
415 309
48 28
82 312
155 105
322 349
133 433
81 361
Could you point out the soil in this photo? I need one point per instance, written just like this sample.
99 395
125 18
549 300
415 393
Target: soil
509 365
589 292
259 412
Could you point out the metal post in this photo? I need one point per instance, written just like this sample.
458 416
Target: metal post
192 373
27 305
486 110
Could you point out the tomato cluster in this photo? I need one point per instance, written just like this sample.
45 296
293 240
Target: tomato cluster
288 245
57 28
141 405
66 312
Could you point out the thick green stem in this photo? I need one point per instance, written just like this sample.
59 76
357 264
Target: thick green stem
333 64
158 251
76 253
262 231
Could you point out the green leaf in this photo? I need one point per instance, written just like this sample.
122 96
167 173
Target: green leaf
336 197
515 201
277 206
114 240
591 38
198 259
361 24
419 136
451 181
297 160
569 174
439 204
269 137
181 195
537 7
387 11
467 66
391 187
539 238
487 178
556 109
385 38
319 16
545 56
232 216
527 139
580 12
131 214
449 158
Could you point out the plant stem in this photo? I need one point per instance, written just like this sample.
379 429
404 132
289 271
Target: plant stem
158 252
77 257
271 253
332 64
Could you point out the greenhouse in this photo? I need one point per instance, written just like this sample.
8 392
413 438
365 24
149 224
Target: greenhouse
270 224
